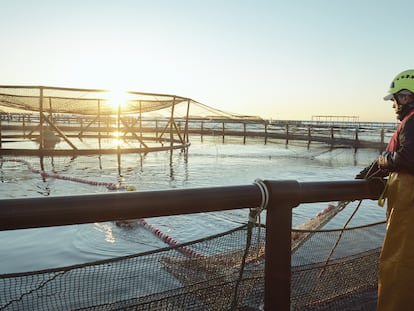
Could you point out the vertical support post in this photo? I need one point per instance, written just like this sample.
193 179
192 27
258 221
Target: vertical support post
118 145
244 133
99 124
186 138
24 126
1 138
287 133
222 132
50 110
140 123
356 143
265 133
119 120
41 120
172 125
156 129
202 130
278 244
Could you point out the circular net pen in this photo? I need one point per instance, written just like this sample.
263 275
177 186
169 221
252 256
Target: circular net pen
222 272
42 120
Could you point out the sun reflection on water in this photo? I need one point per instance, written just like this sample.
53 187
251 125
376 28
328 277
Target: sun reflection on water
118 140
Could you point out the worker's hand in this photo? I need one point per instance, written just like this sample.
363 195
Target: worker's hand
368 171
362 174
383 160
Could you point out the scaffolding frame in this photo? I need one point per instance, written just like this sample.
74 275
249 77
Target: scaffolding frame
56 107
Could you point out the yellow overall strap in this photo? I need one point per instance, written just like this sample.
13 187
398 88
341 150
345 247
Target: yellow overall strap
383 197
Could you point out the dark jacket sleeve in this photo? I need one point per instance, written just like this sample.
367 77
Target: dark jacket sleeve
401 160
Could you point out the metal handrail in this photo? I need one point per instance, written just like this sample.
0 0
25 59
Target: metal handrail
283 197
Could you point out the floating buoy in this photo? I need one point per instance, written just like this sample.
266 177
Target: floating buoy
131 188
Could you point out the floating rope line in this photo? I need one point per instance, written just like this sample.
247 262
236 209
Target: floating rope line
164 237
169 240
109 185
112 186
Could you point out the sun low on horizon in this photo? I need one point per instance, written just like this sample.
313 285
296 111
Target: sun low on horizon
250 58
117 98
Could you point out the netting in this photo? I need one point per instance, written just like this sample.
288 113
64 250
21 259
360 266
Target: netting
43 120
83 101
166 279
14 99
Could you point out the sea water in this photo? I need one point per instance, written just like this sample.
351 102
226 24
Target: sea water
206 163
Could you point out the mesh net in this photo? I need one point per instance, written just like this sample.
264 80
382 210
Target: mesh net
44 120
219 280
77 101
15 99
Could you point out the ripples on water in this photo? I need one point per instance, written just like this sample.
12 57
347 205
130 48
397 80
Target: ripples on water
210 163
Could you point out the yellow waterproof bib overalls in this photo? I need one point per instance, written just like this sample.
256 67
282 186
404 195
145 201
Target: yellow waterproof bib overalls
396 268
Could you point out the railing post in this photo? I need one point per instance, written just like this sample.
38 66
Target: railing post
282 198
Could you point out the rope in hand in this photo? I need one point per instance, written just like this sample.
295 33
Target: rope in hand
372 172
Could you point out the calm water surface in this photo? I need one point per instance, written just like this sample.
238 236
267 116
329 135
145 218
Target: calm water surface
207 163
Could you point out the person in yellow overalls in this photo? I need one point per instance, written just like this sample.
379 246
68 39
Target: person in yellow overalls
396 265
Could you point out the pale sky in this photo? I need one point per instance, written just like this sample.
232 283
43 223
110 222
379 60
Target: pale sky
275 59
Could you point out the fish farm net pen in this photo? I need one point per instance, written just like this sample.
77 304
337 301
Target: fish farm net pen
165 279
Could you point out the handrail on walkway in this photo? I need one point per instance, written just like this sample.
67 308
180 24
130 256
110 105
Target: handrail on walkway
283 196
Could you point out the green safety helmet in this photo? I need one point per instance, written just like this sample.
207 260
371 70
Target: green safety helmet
402 83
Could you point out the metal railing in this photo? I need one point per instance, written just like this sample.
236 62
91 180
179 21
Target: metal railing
283 196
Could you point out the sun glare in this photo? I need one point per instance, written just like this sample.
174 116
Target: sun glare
117 99
117 135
